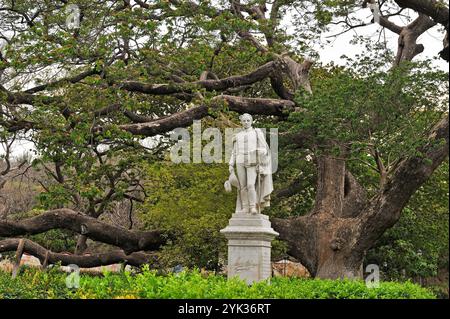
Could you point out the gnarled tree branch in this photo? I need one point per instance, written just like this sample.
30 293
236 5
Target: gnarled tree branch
185 118
85 261
129 241
432 8
72 79
210 85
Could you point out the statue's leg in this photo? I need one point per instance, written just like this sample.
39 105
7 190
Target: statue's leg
251 182
242 177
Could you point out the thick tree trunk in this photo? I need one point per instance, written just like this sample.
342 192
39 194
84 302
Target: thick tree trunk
330 185
326 233
340 265
332 233
335 258
323 244
332 240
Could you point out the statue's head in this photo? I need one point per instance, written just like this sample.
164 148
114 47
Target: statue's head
246 120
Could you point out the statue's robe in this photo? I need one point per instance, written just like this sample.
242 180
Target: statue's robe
264 182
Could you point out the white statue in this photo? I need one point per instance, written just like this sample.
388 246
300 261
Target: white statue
252 158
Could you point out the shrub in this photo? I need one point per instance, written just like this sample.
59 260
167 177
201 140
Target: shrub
192 285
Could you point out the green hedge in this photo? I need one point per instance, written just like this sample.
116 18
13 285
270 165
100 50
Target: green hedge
51 284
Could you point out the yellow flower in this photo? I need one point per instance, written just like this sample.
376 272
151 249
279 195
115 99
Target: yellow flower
126 297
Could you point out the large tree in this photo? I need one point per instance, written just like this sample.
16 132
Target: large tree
136 69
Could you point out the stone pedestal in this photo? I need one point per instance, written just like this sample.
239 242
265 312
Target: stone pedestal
249 244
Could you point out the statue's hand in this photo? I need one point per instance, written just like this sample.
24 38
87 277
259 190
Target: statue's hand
231 169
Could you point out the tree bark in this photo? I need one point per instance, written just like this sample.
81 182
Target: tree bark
322 243
86 261
436 10
81 245
129 241
407 40
320 240
330 185
185 118
210 85
332 240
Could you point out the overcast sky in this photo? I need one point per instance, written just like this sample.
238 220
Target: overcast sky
431 39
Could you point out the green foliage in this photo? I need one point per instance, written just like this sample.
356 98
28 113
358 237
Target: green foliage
33 284
417 246
56 240
194 285
189 202
362 106
93 170
297 172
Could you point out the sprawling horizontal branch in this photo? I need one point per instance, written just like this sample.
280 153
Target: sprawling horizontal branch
144 126
17 125
264 71
256 106
185 118
167 124
129 241
210 85
26 98
148 127
73 79
84 261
